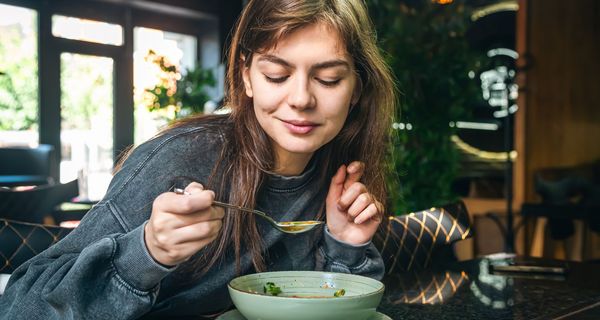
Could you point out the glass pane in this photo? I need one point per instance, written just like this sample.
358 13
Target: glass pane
178 50
87 30
86 137
18 77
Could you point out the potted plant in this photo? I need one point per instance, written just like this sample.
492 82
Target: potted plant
184 93
426 47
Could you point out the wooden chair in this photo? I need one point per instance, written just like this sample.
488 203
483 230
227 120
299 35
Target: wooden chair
411 242
567 212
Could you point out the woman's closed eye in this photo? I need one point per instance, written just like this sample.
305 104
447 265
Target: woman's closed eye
276 79
329 83
281 79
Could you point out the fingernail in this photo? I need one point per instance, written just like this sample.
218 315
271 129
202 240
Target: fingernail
181 191
358 221
352 168
355 167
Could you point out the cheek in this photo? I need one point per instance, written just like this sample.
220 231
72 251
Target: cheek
266 98
336 104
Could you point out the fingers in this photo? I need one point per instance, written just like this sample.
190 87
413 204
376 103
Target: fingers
336 187
173 248
193 187
371 212
351 195
355 171
359 204
207 230
194 199
172 221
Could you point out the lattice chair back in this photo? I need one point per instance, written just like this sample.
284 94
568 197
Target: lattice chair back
410 242
20 241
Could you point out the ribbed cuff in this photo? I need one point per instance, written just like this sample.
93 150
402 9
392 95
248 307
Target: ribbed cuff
135 264
343 252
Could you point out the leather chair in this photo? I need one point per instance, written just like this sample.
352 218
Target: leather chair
33 205
411 242
27 166
21 241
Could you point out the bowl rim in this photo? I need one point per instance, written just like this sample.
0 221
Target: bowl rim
363 295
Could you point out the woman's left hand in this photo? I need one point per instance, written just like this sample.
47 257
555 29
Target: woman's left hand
353 214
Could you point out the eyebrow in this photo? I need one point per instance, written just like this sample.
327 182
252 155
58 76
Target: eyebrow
320 65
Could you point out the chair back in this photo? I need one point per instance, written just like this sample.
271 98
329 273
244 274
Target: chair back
32 205
575 185
21 241
28 162
412 241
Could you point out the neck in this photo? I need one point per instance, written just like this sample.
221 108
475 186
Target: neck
291 164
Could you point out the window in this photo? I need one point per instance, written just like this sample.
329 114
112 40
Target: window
86 122
18 77
178 50
87 30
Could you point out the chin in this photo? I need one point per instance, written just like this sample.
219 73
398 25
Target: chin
299 147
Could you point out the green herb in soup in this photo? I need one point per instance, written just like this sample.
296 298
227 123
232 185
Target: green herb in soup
339 293
271 289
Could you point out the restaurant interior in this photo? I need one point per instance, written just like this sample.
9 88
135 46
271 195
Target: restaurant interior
494 198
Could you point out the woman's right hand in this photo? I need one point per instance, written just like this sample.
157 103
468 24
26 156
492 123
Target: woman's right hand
181 225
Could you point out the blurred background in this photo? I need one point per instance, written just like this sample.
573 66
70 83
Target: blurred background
499 105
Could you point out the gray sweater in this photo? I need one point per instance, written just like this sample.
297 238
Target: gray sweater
103 270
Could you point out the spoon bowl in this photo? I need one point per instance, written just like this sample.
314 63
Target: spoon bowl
283 226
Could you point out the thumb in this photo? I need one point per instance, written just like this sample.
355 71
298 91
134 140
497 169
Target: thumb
337 184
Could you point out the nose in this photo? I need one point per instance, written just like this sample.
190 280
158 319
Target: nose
300 95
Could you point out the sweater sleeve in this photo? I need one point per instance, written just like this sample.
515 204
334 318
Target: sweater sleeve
102 269
338 256
99 271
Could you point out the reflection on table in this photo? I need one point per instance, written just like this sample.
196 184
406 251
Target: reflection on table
469 290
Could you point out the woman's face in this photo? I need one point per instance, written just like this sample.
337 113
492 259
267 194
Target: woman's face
302 90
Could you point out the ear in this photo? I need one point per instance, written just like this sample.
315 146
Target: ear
246 77
357 92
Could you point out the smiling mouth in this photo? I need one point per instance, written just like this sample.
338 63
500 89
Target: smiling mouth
299 127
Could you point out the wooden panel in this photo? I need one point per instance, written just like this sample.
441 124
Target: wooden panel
561 110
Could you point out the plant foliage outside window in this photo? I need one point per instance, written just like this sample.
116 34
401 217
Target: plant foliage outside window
179 94
426 47
18 69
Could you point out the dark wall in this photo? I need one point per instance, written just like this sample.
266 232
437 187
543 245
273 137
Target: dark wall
559 116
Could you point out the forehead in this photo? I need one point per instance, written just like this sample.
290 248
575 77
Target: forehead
311 40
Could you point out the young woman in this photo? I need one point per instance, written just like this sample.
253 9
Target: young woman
311 102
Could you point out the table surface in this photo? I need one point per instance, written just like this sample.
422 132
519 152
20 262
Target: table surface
469 290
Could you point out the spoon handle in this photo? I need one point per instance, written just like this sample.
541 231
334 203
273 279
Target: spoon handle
231 206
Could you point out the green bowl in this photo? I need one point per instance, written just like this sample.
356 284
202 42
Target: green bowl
306 295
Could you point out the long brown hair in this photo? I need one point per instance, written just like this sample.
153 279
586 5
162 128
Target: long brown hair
248 152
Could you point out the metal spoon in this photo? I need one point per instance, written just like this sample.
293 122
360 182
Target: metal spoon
283 226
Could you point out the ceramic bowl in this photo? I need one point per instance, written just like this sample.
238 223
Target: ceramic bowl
306 295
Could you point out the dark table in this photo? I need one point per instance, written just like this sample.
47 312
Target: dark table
469 290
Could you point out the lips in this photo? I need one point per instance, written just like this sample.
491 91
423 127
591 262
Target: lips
299 126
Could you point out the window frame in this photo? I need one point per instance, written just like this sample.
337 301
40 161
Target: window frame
203 26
